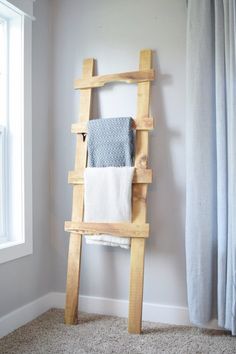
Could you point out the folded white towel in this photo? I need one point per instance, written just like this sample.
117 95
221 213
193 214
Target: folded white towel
107 198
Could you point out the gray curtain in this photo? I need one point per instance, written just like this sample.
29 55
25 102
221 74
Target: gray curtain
211 162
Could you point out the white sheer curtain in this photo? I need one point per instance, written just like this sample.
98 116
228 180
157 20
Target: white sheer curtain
211 162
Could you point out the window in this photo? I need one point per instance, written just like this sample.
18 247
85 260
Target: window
3 100
15 132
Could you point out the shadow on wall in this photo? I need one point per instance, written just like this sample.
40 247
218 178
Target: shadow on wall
165 198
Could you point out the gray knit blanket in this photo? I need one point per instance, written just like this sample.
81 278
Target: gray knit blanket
110 142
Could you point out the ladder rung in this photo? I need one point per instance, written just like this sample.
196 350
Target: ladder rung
129 78
146 123
114 229
141 175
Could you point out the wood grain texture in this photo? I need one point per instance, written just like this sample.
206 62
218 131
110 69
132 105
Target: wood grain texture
138 229
140 176
139 204
114 229
129 78
144 124
73 277
75 246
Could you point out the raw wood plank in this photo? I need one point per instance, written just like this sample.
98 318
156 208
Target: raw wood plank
74 255
129 77
139 205
73 275
145 124
140 176
115 229
138 228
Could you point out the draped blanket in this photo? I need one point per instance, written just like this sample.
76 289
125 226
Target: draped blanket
107 198
110 142
108 179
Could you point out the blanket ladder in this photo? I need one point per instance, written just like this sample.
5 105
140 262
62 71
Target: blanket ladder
138 229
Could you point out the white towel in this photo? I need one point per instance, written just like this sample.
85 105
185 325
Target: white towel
107 198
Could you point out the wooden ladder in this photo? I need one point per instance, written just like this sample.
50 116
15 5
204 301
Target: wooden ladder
138 230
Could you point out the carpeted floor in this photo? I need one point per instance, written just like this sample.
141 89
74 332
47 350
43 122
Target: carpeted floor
107 334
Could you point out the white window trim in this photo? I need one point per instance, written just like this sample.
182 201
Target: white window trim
24 7
16 249
3 185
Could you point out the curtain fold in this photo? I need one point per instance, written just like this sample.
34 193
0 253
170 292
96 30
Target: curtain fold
211 162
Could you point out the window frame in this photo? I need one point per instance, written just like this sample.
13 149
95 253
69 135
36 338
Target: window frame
3 150
16 248
3 186
3 142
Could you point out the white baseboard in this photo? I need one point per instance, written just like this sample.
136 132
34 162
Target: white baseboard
24 314
151 312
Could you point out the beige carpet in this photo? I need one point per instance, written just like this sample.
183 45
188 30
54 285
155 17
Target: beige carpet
107 334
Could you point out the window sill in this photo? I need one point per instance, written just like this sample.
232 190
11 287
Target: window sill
13 250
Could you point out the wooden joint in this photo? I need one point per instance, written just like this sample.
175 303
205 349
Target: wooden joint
114 229
141 175
128 77
146 123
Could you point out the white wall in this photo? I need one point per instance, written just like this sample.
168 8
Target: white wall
113 32
28 278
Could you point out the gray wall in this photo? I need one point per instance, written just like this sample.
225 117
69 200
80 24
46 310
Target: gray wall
113 32
28 278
